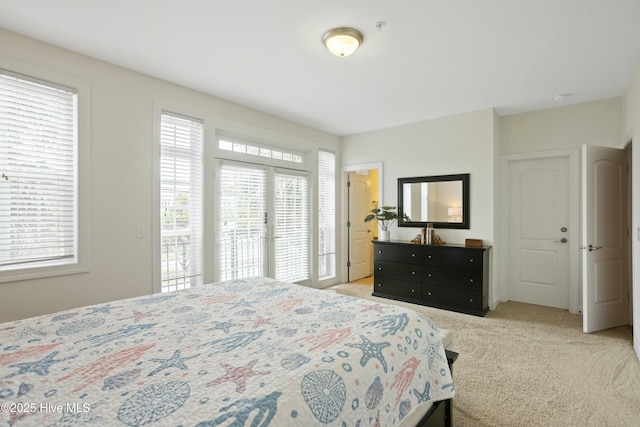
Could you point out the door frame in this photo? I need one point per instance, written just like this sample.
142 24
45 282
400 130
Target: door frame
573 155
345 237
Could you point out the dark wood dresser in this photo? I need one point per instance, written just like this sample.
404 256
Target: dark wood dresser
452 277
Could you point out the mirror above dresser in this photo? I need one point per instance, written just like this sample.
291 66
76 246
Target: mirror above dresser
442 200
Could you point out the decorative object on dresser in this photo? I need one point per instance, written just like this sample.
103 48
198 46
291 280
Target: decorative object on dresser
385 217
451 277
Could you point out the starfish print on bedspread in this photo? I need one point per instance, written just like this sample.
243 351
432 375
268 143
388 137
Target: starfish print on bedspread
223 326
237 375
424 396
41 367
371 350
106 309
175 361
432 351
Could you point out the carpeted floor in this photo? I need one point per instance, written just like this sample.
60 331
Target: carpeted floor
526 365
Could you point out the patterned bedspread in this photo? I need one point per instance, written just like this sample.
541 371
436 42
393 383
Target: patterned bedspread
253 352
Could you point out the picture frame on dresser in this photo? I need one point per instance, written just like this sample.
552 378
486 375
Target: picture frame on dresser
451 277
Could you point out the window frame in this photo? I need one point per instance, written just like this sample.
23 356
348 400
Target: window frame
159 111
319 227
80 262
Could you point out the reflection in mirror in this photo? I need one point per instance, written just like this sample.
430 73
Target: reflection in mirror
433 201
442 200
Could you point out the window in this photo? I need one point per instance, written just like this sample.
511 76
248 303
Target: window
259 150
180 201
39 190
243 228
326 215
291 225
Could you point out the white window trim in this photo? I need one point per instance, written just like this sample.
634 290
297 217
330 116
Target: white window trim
83 203
272 144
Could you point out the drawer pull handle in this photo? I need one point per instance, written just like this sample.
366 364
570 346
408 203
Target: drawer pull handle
429 274
413 255
470 299
379 268
379 252
470 259
413 290
413 273
429 257
429 293
470 280
379 285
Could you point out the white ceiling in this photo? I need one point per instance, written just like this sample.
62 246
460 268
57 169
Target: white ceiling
433 58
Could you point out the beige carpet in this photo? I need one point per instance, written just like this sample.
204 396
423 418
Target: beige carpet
526 365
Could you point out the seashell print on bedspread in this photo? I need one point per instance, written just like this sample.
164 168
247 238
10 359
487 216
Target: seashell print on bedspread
253 352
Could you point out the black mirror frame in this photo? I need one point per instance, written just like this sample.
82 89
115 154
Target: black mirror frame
465 224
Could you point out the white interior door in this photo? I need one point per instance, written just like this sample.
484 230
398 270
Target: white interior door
539 231
360 233
604 243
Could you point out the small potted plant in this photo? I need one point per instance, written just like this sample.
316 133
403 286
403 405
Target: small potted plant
385 217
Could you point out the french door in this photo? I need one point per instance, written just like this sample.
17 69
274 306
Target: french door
263 223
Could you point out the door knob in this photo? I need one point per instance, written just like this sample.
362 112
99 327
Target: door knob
563 240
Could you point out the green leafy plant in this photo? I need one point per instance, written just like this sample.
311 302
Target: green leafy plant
385 217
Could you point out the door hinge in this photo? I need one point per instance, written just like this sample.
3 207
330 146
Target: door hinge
348 224
348 264
348 184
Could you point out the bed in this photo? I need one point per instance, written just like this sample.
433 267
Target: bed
252 352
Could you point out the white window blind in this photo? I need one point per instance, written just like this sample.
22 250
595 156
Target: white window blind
291 226
326 214
38 184
180 201
241 242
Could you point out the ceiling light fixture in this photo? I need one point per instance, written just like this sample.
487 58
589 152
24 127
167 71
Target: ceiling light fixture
342 41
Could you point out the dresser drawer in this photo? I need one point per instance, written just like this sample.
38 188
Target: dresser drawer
452 298
396 288
463 279
398 270
453 258
399 253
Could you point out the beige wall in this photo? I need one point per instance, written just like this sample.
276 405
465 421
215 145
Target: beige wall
592 123
121 137
448 145
474 143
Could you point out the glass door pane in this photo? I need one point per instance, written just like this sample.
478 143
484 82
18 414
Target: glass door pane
291 227
242 232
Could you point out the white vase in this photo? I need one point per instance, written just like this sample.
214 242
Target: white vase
384 235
